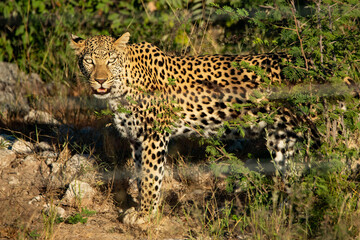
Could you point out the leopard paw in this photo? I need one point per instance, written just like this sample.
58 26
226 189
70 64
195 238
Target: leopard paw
133 217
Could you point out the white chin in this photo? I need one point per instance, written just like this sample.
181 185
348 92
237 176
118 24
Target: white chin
102 96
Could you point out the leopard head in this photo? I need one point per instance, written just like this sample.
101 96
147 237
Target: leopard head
101 60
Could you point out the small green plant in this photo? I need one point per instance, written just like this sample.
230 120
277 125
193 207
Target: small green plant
103 113
34 234
77 218
81 217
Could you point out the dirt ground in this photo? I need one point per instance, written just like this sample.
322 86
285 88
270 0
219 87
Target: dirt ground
30 183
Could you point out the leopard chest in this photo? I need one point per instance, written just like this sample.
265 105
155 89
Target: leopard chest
125 121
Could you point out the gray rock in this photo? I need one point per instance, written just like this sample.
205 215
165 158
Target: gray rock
51 209
40 117
6 157
9 75
35 199
49 154
21 146
55 181
79 192
10 98
34 78
79 167
55 167
78 164
30 160
44 146
15 87
7 97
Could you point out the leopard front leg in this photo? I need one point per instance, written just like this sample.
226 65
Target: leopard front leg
149 157
281 140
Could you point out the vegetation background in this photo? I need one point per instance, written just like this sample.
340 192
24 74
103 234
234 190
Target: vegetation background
323 37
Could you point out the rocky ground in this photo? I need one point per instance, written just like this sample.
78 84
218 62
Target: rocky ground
43 188
39 183
61 177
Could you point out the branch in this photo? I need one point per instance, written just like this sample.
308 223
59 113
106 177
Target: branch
293 9
318 9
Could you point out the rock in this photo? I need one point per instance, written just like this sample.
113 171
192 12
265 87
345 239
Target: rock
30 160
15 89
21 146
40 117
78 164
6 157
44 146
60 212
7 97
44 169
35 199
9 73
78 167
79 193
51 209
13 180
55 167
10 76
49 154
10 98
55 182
34 78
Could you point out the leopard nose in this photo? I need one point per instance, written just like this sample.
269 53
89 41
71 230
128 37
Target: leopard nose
100 80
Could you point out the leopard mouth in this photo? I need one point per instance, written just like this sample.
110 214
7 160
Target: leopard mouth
101 91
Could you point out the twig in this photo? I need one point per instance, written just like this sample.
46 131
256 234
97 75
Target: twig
331 27
291 29
205 27
145 8
318 9
177 18
268 7
293 9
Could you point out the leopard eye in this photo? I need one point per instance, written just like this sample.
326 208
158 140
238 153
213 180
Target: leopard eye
88 60
112 60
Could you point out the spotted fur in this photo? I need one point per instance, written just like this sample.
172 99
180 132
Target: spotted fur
155 96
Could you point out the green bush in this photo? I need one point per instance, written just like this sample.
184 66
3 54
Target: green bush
35 34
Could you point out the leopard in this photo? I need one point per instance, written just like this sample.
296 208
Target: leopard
156 96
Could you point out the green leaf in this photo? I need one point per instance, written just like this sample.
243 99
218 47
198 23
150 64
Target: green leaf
20 30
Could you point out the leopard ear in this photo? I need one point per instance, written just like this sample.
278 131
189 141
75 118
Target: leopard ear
77 43
121 42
